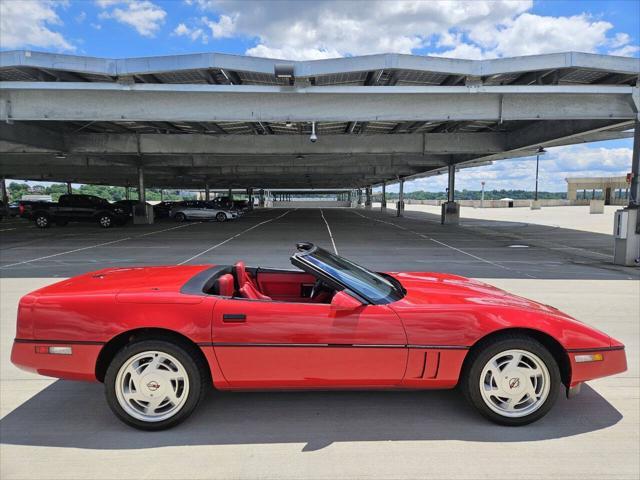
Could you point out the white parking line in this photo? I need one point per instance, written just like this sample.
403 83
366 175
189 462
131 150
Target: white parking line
65 253
94 246
231 238
6 229
426 237
330 234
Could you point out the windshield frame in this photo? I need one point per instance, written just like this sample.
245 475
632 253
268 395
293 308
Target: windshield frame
302 259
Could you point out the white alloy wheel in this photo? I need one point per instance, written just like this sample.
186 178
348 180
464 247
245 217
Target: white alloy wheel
152 386
515 383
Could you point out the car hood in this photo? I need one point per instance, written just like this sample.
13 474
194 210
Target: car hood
427 288
122 280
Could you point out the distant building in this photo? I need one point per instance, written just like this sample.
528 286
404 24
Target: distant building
613 190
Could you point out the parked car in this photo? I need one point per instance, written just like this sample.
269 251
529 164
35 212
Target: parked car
14 209
26 207
4 210
226 203
200 210
127 206
162 209
78 208
159 337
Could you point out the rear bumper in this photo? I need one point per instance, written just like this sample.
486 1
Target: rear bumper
79 365
614 360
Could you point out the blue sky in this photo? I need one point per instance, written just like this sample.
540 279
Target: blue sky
323 29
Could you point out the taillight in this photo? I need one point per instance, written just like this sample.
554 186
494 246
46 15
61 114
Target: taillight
21 209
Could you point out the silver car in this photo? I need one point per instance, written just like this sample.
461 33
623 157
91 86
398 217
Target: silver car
200 210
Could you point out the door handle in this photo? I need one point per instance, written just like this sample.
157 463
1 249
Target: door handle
234 317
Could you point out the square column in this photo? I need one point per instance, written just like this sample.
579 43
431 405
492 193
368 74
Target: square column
367 199
400 204
383 201
626 230
142 212
450 214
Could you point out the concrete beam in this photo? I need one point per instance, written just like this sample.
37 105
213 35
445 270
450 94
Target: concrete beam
168 144
16 137
62 101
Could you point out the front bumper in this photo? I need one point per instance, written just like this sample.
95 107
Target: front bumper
79 365
614 360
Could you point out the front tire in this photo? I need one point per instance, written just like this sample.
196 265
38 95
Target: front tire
154 384
514 380
180 217
221 217
105 220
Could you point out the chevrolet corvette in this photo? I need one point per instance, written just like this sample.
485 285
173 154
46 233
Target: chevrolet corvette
159 337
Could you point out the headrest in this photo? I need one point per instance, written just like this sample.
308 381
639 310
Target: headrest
241 274
225 285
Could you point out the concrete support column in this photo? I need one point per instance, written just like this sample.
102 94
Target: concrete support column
359 196
400 205
69 188
261 198
142 213
367 199
230 194
162 194
383 200
141 192
127 193
450 209
3 191
626 249
207 192
250 197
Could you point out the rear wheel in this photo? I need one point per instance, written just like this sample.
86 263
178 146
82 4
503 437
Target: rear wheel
105 220
154 384
513 380
221 217
180 217
42 220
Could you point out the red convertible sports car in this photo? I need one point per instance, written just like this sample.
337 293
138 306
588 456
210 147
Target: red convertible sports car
158 337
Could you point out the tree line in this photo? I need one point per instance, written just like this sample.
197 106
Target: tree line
16 190
476 195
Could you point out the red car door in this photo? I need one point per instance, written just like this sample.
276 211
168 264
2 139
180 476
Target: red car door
270 344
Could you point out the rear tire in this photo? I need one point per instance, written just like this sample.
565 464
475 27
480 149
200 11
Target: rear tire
513 380
42 220
155 384
221 217
180 217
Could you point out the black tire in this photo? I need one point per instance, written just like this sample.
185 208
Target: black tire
470 378
221 217
42 220
199 381
180 217
105 220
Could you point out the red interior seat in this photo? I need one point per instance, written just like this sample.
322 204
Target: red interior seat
225 285
246 286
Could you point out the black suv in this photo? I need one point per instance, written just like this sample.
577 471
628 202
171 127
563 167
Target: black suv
79 208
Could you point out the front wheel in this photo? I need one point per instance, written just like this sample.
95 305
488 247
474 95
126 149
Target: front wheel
221 217
105 220
180 217
512 381
154 384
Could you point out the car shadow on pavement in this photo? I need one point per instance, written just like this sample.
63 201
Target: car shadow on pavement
75 415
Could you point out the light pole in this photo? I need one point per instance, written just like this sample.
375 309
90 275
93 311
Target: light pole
541 151
482 195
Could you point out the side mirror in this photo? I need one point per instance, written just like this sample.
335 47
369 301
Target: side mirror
343 302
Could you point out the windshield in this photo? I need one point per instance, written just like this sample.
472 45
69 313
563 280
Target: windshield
370 285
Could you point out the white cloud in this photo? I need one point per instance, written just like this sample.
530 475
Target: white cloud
558 164
144 16
464 28
30 23
223 28
193 33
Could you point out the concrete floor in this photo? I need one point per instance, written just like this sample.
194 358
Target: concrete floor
59 429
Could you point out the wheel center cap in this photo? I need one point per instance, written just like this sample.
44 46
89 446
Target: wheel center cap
512 382
152 386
